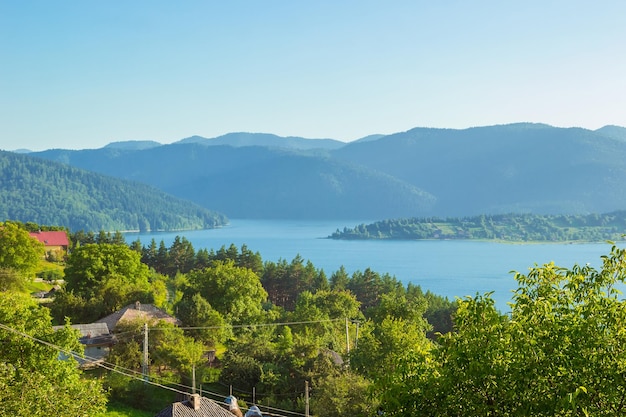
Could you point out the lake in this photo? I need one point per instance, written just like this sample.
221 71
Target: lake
451 268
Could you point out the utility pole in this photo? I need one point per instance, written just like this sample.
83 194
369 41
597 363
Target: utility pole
144 365
347 337
306 398
193 378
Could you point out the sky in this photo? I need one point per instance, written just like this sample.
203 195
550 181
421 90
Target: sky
82 74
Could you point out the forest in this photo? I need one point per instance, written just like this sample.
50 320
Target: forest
502 227
364 343
45 192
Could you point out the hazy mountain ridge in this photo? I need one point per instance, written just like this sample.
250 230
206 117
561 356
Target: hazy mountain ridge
240 139
257 182
497 169
522 167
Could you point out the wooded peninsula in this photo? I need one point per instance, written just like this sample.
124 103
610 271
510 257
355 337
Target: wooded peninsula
502 227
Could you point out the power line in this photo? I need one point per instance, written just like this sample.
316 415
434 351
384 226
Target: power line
114 368
246 325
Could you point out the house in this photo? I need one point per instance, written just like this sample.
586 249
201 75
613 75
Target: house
195 406
134 312
55 243
97 342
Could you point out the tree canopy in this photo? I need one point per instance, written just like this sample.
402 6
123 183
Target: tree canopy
561 351
34 380
19 251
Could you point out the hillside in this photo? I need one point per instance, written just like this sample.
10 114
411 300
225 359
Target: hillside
258 182
517 168
45 192
521 168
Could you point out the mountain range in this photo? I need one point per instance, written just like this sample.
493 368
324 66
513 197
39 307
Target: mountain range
515 168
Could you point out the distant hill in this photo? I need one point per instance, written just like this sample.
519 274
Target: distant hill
616 132
264 139
516 168
133 144
50 193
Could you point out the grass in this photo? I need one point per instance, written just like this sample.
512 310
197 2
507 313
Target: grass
120 410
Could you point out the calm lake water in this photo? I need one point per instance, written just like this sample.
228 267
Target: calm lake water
449 268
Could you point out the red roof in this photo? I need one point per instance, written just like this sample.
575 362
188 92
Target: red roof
58 238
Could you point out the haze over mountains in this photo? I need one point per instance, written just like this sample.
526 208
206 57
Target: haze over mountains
517 168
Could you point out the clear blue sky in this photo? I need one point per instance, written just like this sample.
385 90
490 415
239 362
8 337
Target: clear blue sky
81 74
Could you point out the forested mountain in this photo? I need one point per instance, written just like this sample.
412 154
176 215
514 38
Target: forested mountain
502 169
517 168
45 192
258 182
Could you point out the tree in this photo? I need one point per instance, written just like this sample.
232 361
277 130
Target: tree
561 351
102 278
195 311
11 280
284 282
34 381
339 279
18 250
91 266
235 292
181 256
345 394
328 309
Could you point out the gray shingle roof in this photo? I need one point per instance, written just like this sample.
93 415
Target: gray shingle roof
208 408
135 311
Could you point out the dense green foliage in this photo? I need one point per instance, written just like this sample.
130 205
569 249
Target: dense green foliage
102 278
505 227
34 381
231 299
561 351
18 251
364 343
45 192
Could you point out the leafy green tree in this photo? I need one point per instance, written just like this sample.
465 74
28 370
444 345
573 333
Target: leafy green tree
91 266
19 251
195 311
345 394
12 280
34 381
328 311
102 278
561 351
235 292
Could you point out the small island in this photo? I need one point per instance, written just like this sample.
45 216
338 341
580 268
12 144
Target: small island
500 227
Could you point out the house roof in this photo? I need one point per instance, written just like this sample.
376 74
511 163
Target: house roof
207 408
93 334
53 238
89 330
136 311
